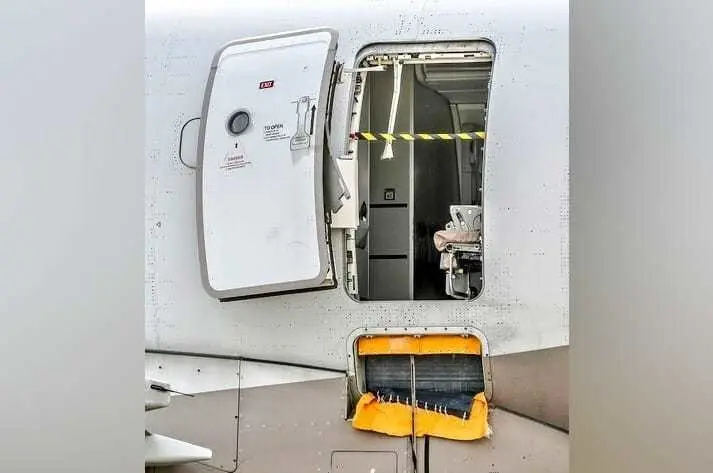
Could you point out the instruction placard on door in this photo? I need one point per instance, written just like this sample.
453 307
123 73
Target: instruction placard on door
275 132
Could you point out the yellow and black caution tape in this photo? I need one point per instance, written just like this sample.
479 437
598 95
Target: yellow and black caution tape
374 136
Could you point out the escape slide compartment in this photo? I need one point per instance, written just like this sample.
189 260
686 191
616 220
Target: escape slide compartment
260 195
436 383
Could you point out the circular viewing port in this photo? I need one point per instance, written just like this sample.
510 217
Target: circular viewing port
238 122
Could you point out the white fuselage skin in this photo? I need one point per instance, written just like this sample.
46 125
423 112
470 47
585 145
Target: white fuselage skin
524 304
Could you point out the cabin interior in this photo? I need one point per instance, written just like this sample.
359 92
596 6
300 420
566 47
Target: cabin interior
406 199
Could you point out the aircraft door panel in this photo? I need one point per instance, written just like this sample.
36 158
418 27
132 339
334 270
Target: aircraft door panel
261 206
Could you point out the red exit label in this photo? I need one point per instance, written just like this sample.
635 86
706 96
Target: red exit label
267 84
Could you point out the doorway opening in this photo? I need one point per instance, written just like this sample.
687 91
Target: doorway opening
418 135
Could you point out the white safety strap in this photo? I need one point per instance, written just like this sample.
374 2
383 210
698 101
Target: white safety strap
388 149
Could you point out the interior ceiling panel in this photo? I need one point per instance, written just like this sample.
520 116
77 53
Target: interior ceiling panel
459 83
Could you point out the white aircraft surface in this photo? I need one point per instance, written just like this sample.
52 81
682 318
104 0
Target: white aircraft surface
357 245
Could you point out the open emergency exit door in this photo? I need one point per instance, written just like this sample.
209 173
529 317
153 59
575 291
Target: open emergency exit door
262 228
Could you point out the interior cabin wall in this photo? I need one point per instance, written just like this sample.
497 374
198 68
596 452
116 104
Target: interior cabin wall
476 176
436 187
390 220
471 167
362 254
